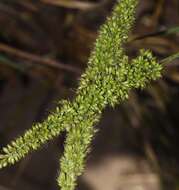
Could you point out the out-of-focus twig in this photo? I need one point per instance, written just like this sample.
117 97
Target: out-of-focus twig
73 4
164 32
38 59
28 5
167 61
157 13
8 62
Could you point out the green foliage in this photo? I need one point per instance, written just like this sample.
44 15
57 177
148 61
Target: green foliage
107 80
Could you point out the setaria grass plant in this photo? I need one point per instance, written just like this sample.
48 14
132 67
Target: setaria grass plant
107 81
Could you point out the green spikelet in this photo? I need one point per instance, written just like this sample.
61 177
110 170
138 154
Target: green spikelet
107 80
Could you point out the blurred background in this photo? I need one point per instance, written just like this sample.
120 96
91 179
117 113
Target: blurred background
44 48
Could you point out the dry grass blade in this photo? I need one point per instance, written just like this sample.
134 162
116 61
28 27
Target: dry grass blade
37 59
164 32
72 4
168 61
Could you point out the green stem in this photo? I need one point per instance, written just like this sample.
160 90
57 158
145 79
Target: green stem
169 59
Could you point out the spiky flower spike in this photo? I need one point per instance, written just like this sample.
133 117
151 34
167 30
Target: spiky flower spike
107 80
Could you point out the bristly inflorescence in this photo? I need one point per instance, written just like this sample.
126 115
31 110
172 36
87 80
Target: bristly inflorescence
107 80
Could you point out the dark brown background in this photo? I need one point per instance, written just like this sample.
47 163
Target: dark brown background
44 47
